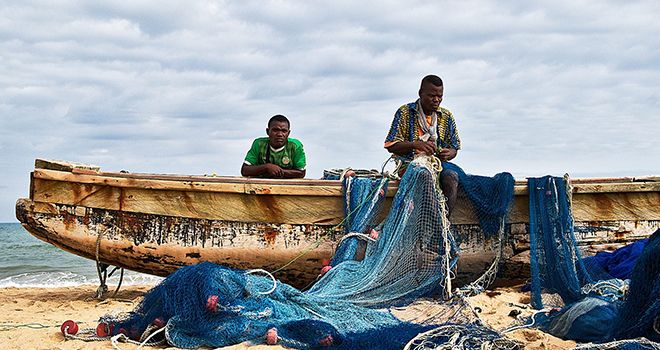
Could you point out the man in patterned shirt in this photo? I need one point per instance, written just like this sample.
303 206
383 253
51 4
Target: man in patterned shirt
425 127
275 156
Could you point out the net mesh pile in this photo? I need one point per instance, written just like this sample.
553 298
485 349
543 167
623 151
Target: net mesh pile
363 202
490 196
597 308
410 255
556 264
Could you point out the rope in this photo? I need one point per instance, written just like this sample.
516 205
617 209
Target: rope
362 236
435 167
103 288
300 255
250 272
488 277
569 192
511 329
397 166
102 268
120 336
121 278
31 325
146 341
321 240
343 173
89 334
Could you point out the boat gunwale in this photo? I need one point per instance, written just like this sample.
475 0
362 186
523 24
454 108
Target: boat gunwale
235 184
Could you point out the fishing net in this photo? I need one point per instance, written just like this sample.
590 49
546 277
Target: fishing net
555 261
362 204
411 255
597 310
490 197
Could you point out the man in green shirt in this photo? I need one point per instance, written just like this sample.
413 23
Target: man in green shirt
275 156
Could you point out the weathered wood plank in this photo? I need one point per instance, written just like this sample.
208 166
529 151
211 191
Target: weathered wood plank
290 209
616 187
203 186
256 204
61 165
616 206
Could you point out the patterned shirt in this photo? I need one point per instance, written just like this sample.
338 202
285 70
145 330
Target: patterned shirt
289 156
405 128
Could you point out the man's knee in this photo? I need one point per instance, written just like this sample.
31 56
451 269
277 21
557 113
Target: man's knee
449 179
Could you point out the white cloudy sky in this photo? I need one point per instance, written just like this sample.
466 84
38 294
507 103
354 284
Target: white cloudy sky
543 87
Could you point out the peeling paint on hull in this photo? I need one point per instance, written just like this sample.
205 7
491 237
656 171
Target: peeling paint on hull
157 223
157 244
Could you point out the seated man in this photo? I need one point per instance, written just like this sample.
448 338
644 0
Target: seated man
425 127
275 156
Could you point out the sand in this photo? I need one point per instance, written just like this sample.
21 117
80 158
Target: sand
31 317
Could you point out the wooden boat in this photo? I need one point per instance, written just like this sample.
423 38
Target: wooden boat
158 223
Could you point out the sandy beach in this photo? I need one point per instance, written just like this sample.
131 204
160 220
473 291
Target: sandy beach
31 317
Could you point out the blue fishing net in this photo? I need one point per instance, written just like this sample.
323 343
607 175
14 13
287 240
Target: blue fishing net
617 264
362 204
409 259
490 196
639 315
211 305
597 310
555 261
410 256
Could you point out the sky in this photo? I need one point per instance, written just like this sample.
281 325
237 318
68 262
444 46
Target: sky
183 87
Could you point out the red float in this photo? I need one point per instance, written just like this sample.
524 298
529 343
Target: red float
212 303
271 336
69 327
104 330
158 322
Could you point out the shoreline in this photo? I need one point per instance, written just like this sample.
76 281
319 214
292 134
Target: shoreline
32 316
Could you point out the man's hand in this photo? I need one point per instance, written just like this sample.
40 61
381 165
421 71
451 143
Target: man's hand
273 170
427 147
447 154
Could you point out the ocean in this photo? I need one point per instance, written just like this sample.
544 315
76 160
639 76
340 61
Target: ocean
26 261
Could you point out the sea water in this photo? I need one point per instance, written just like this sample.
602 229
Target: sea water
26 261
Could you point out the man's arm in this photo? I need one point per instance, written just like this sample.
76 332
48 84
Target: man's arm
271 171
293 173
404 147
447 154
263 170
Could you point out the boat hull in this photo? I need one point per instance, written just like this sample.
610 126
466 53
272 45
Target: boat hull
156 223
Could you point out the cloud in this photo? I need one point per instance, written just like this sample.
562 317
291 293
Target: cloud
184 87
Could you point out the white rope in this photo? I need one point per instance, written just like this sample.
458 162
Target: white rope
434 165
397 166
511 329
488 277
149 338
616 344
343 174
359 235
253 271
569 193
116 338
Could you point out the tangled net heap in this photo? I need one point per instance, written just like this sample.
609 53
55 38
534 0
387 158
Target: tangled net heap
411 257
597 309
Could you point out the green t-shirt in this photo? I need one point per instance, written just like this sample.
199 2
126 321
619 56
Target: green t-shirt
290 156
